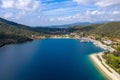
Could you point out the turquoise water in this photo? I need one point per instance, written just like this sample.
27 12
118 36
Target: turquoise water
49 59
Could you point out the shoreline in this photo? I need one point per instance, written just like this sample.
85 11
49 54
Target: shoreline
106 70
99 44
102 68
93 57
98 68
4 44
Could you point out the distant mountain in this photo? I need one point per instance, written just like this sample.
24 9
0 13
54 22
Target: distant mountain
73 24
68 25
80 24
51 30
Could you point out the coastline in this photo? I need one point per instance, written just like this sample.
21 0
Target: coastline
102 68
92 58
4 44
95 60
106 70
99 44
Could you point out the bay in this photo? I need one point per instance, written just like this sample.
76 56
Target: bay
49 59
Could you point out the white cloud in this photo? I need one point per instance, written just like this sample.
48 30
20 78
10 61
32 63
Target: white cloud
100 3
105 3
18 8
84 2
116 12
7 3
106 11
73 18
28 5
35 12
100 14
7 15
36 5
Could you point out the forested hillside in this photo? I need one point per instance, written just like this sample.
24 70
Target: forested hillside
11 32
8 27
111 29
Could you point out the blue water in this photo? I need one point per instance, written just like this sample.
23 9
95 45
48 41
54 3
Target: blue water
49 59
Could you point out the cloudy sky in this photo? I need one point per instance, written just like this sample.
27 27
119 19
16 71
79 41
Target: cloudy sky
56 12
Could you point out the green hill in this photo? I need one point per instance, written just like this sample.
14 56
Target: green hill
11 32
111 29
8 27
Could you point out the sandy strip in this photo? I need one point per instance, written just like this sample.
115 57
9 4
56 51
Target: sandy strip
100 66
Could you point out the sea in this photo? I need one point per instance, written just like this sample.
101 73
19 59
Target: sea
49 59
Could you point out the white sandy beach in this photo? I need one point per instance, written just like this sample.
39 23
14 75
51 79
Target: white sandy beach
101 65
110 75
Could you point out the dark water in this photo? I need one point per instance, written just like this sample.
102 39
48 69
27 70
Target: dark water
49 59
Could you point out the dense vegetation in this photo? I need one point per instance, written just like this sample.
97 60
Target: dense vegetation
11 32
11 38
113 60
111 29
51 31
9 27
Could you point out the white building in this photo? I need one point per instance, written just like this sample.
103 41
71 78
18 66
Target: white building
108 42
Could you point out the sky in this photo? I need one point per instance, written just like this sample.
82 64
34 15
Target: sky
59 12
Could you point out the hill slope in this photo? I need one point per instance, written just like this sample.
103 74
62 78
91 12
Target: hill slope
9 27
11 32
111 29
